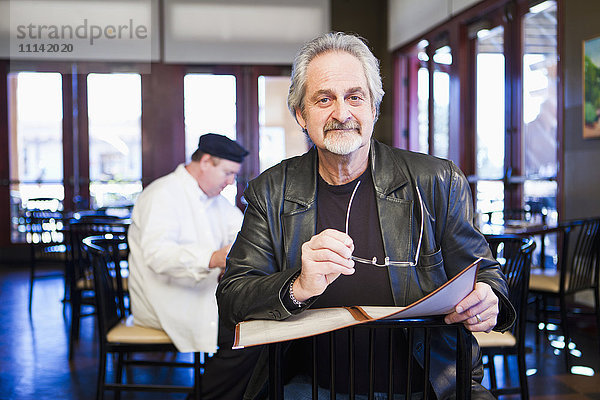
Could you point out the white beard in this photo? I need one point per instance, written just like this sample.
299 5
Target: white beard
342 143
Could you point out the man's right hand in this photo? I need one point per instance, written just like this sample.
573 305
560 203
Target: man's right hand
324 257
219 257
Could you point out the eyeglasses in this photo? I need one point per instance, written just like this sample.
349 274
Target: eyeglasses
387 262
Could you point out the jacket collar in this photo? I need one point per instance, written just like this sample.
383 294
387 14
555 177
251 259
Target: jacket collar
301 181
301 186
388 175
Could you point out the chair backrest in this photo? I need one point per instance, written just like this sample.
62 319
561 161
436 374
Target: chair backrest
514 254
80 264
106 253
419 332
580 258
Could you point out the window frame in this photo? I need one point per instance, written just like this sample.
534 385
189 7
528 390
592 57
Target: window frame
462 92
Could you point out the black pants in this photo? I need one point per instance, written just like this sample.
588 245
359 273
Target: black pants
227 372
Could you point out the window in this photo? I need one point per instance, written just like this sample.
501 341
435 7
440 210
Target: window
423 100
115 139
494 110
423 107
490 113
442 58
280 135
209 107
433 99
540 102
36 153
539 124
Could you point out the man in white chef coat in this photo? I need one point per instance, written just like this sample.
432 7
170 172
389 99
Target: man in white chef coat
180 234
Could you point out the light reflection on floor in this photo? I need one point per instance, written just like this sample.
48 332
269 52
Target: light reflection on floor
580 370
531 371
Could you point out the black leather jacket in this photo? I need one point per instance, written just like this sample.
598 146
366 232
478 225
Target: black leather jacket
281 216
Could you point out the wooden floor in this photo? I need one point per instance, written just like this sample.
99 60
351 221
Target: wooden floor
34 364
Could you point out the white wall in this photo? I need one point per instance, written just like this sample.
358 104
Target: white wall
195 31
241 31
408 19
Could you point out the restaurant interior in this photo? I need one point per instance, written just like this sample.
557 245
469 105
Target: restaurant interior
509 90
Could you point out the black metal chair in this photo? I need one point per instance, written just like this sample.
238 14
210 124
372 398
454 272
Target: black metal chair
427 325
47 246
514 254
79 269
579 269
118 335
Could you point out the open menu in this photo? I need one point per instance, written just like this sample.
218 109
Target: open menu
311 322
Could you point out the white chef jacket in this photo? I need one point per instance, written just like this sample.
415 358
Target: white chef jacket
175 229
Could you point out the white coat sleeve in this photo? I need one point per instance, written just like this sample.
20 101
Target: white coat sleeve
164 251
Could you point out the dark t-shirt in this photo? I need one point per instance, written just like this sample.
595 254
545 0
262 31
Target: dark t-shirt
369 285
363 227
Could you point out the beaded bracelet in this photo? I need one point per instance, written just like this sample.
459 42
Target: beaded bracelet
292 297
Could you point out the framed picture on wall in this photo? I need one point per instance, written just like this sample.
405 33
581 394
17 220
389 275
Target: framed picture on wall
591 88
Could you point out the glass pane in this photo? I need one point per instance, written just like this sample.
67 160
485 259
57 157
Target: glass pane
209 107
423 109
280 135
490 107
442 57
441 108
540 101
540 84
490 77
36 153
115 130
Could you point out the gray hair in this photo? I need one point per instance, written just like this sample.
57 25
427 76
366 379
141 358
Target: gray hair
334 41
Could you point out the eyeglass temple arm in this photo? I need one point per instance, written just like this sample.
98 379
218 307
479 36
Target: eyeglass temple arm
387 259
350 205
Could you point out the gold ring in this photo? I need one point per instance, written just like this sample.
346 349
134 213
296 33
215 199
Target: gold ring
478 318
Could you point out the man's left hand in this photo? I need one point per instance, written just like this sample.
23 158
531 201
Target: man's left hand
478 311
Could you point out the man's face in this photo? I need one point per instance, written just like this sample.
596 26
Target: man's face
338 112
218 173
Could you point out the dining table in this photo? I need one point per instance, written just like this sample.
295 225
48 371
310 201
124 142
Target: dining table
524 228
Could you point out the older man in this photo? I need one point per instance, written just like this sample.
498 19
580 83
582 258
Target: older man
301 244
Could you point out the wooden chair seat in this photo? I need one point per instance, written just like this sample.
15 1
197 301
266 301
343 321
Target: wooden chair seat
126 332
544 281
495 339
84 284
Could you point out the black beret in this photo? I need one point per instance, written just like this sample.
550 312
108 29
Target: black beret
222 147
